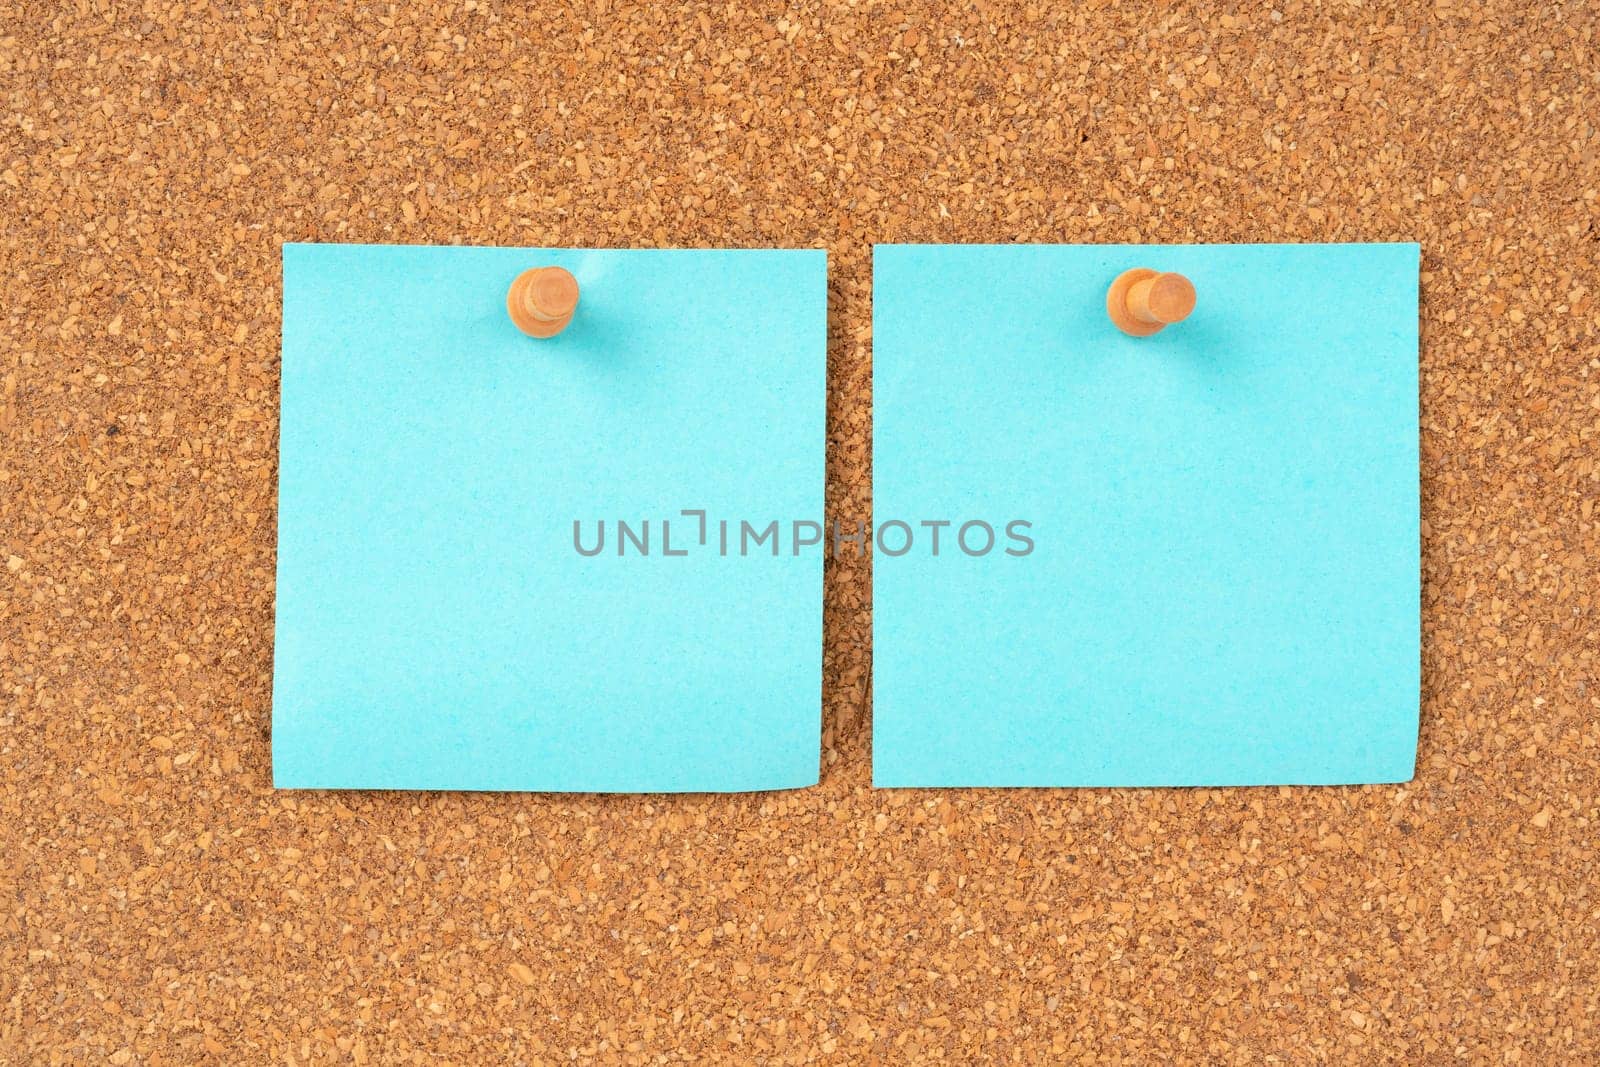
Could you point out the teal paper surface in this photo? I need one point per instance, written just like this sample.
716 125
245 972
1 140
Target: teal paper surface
437 628
1224 582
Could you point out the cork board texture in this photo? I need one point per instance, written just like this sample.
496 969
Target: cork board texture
160 904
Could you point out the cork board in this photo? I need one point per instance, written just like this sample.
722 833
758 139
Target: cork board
164 906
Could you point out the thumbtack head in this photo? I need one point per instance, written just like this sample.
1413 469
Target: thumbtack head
541 301
1142 301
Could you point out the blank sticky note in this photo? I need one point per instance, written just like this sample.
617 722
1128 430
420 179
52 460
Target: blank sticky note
1216 579
438 626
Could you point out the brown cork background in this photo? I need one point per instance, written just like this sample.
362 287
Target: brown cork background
161 904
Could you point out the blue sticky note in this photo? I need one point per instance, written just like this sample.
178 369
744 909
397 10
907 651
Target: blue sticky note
1204 564
442 623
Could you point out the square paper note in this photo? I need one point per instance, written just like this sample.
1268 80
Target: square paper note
1204 560
444 620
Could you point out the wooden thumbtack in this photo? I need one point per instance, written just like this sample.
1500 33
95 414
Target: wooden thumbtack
541 301
1142 301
